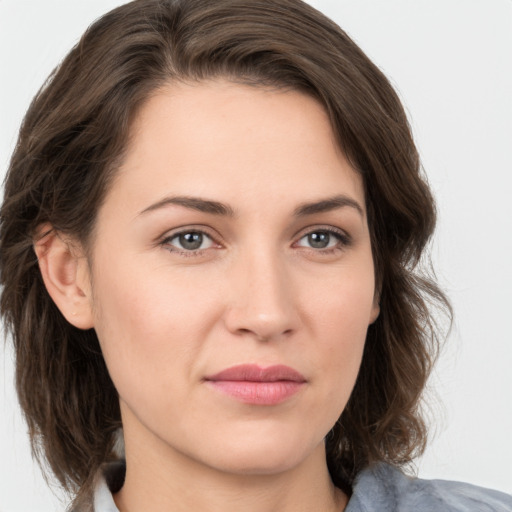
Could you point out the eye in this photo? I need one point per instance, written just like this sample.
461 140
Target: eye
323 239
189 241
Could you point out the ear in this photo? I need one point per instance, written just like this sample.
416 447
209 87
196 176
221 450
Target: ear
374 313
66 275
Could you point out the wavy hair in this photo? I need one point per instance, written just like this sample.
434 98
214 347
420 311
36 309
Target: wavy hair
69 148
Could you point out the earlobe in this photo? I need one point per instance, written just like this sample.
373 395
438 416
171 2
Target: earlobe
375 312
65 275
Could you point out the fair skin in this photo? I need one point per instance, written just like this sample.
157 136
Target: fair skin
235 233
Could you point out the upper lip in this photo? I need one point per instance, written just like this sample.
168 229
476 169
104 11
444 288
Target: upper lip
255 373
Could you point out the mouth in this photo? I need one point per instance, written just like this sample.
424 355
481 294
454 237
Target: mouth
252 384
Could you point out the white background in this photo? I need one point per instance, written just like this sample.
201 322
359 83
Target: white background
451 61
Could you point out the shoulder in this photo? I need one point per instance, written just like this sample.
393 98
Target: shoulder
384 488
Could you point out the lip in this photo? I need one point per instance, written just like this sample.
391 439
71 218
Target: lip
253 384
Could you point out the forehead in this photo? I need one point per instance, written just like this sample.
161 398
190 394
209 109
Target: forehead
239 143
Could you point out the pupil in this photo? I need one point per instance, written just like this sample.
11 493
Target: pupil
191 241
319 240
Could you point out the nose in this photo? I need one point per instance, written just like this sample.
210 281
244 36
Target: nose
262 302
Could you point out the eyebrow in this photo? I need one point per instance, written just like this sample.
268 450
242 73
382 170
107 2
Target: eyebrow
217 208
193 203
327 205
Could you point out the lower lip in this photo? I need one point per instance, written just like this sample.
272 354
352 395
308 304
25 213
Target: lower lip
258 393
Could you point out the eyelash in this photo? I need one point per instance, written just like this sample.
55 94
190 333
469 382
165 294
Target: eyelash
344 241
166 242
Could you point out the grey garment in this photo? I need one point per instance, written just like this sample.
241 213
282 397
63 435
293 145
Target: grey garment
381 488
384 488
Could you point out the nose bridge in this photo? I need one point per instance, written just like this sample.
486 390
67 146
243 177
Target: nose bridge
262 296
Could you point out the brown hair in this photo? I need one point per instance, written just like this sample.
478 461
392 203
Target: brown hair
71 142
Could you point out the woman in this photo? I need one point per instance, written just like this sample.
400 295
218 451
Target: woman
209 239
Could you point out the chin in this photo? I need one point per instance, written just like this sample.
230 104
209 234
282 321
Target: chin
257 455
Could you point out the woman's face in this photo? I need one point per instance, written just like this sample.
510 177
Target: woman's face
232 278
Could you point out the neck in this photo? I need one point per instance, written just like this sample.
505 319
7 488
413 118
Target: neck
162 480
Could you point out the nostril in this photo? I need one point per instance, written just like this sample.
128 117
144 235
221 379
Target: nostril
265 336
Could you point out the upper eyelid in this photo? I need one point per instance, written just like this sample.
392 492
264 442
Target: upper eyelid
173 233
330 229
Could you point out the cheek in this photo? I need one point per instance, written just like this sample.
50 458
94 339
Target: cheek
341 317
344 304
139 322
152 326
